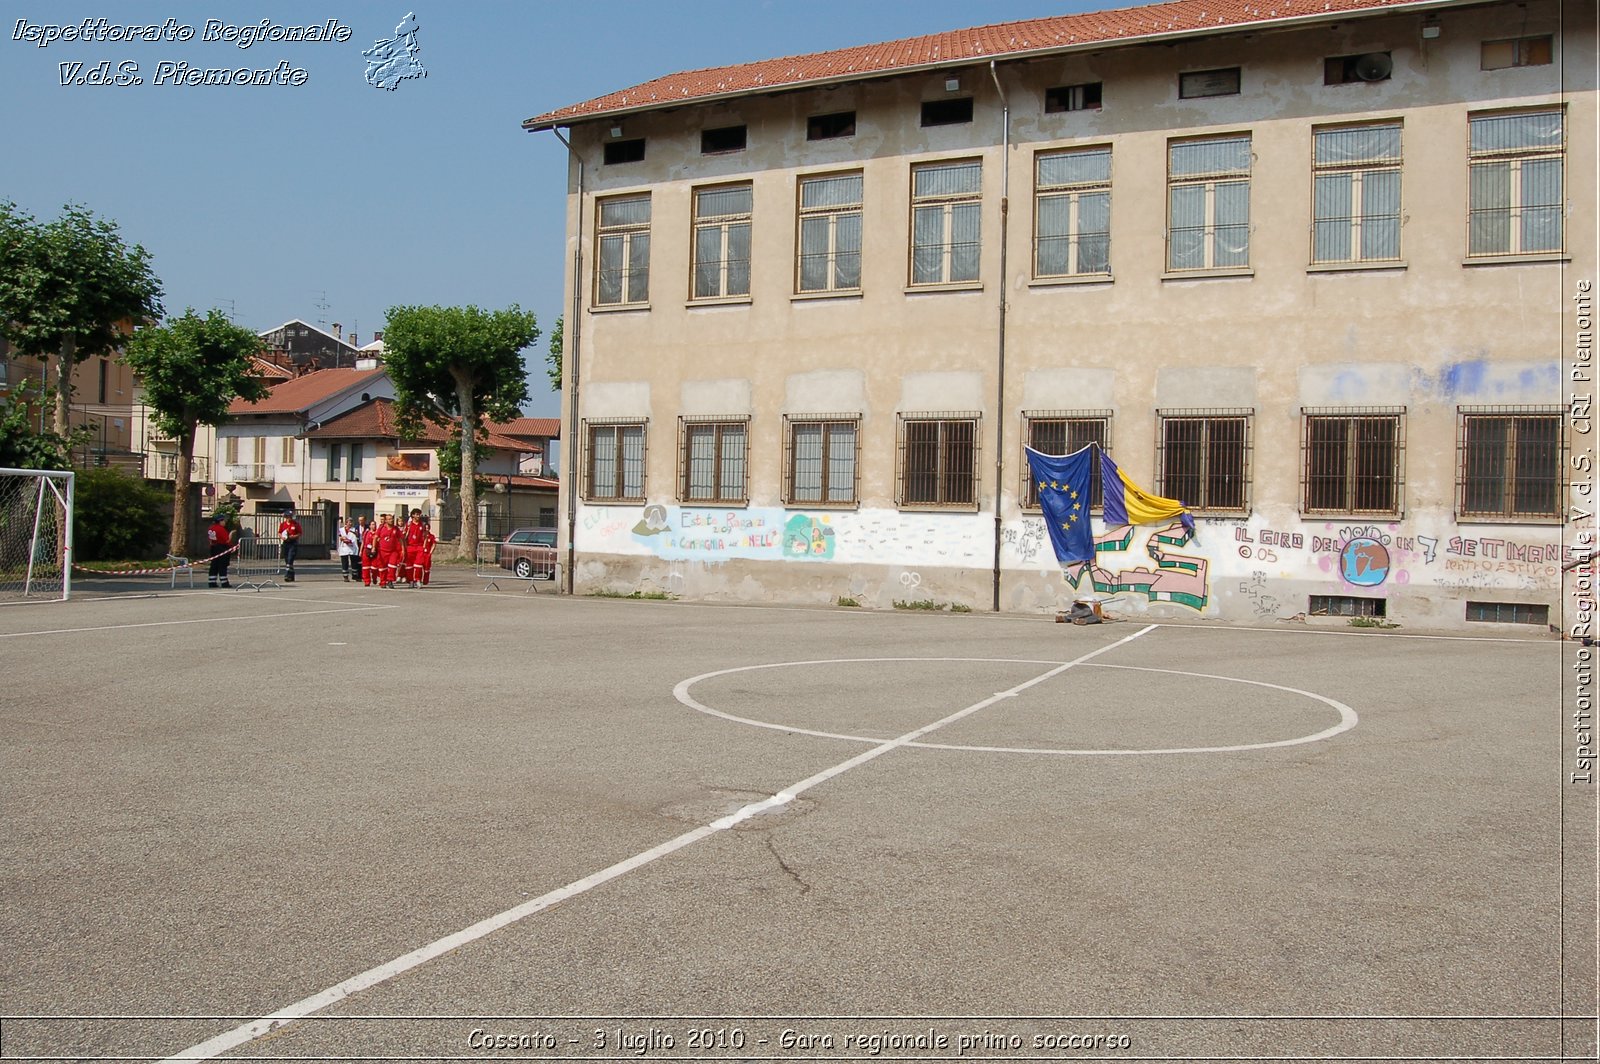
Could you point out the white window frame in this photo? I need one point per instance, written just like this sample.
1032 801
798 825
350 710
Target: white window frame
1361 173
1209 182
726 225
633 284
830 215
1072 192
944 207
1516 159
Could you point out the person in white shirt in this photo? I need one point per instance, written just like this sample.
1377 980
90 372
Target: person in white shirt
349 547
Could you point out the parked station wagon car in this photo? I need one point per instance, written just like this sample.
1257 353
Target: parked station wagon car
530 553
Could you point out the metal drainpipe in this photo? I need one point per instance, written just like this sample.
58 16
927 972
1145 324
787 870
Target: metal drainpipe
1000 387
570 341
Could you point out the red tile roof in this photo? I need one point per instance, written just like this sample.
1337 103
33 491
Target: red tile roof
530 426
302 393
1006 40
378 420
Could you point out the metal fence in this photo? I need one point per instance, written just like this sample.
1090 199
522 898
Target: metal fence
531 565
258 562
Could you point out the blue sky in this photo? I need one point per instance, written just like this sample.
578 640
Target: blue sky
333 200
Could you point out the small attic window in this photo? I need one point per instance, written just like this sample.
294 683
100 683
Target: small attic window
947 112
1085 97
827 127
624 151
725 139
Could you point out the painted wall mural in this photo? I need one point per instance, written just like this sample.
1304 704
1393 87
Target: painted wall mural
1245 562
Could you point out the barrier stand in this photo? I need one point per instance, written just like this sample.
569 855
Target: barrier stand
496 561
257 563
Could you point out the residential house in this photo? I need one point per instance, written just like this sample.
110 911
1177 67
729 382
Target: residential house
1318 270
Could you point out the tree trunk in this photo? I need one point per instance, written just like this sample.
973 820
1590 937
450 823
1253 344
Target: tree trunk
469 469
180 494
65 360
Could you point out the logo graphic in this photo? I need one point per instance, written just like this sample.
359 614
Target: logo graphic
1364 562
393 61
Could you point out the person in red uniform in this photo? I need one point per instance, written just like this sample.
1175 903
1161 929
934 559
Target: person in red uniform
389 548
219 539
429 541
413 538
289 534
370 573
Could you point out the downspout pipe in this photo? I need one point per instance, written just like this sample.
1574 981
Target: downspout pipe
571 345
1000 356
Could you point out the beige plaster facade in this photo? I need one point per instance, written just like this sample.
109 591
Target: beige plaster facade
1428 338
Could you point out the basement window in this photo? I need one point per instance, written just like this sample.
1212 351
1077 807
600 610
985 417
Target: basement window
1348 606
1509 612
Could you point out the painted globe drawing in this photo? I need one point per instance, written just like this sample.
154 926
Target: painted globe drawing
1364 562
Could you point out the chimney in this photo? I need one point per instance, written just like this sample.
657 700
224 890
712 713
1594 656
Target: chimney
377 336
338 331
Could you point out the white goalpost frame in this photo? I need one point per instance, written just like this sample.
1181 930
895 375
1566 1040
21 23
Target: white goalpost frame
47 478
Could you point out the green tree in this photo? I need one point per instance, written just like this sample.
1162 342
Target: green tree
467 362
70 289
553 359
21 445
192 368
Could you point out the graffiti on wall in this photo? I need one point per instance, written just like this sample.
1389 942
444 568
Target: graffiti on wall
684 533
1175 577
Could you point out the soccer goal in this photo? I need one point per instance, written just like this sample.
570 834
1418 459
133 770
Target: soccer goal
35 535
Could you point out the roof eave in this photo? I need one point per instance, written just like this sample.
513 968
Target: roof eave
534 125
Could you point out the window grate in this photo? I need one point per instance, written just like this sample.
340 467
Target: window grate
1348 606
820 466
828 244
1072 213
622 240
938 460
1203 458
1208 203
1509 612
1509 462
1351 460
946 222
1516 173
722 241
614 460
713 454
1063 432
1355 191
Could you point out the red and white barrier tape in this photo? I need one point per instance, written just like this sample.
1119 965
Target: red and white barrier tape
154 572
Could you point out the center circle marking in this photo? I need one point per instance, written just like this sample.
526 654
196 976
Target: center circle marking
1347 716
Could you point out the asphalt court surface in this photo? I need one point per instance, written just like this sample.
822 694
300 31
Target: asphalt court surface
1024 839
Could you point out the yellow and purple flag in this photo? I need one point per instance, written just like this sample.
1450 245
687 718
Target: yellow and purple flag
1062 481
1125 503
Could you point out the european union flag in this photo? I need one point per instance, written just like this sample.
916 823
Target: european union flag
1062 481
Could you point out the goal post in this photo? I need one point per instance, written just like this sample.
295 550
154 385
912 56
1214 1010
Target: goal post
35 534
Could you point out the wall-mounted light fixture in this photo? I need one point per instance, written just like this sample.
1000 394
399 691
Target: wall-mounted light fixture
1430 28
952 84
616 131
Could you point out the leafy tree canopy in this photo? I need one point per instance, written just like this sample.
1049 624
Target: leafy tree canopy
71 288
553 359
193 368
467 362
22 444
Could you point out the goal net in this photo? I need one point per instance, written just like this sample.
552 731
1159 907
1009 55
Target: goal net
35 534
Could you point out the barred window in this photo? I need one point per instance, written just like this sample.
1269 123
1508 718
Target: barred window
1352 461
1208 203
722 241
712 460
1356 194
1072 213
1510 462
1205 458
830 234
622 232
820 466
946 222
615 465
1516 175
1064 432
939 460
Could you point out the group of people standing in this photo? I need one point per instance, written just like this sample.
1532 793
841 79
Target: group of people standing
387 554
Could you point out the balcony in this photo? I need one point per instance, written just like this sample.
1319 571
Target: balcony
246 473
162 466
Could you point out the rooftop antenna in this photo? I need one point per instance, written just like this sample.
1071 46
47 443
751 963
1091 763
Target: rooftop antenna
233 308
322 305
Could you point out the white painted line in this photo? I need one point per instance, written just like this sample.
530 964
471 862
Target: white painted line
1347 716
192 620
214 1047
